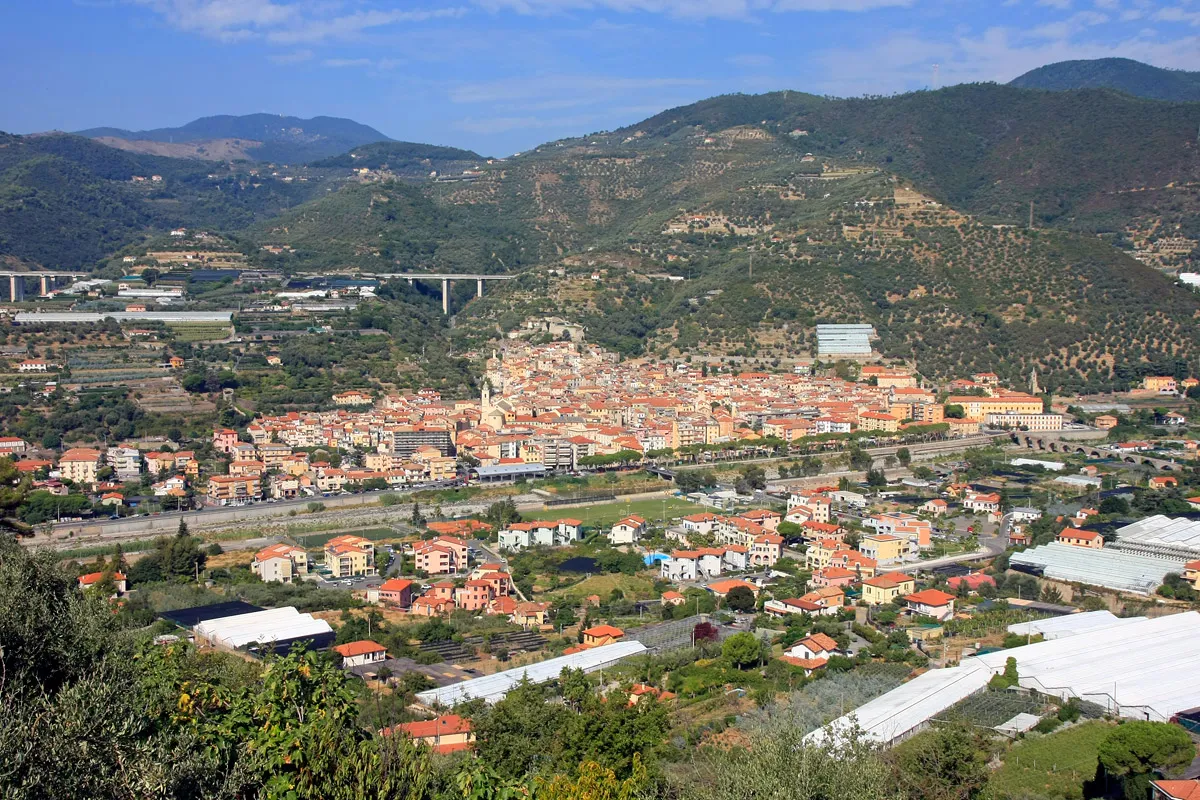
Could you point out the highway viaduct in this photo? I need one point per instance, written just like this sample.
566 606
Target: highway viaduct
446 278
47 280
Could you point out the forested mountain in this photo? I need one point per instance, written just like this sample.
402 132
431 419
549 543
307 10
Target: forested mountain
910 212
407 159
67 201
1122 74
1089 160
278 138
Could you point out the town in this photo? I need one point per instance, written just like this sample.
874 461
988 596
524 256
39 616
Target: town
628 509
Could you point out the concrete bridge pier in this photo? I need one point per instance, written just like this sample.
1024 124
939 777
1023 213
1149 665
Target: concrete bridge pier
479 287
47 285
445 295
16 288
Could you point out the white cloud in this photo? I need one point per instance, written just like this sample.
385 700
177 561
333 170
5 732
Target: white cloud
1177 14
1107 5
300 22
901 61
222 19
1059 4
1065 28
350 25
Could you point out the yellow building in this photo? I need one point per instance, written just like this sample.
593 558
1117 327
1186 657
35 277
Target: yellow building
1163 384
887 588
883 547
79 465
346 556
876 421
978 408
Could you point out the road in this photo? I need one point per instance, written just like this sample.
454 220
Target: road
918 450
495 557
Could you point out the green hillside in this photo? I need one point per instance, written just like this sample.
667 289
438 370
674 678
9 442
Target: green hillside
945 291
67 202
395 227
1088 160
407 159
1122 74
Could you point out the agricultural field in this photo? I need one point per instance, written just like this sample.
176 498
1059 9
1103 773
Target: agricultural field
605 515
1050 766
202 332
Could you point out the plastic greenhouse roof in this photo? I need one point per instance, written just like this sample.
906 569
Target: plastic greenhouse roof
494 687
1113 569
1138 668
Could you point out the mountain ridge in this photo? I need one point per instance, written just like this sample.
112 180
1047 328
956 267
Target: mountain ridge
280 137
1120 74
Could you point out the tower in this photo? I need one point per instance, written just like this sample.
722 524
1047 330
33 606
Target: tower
485 396
1034 388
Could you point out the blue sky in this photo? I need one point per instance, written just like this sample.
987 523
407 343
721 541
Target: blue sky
500 76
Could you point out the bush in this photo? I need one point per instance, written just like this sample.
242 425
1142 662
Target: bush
1047 724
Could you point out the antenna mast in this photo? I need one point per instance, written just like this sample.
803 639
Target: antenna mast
935 76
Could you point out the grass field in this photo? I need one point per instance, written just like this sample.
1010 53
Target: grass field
634 587
604 515
311 540
1049 766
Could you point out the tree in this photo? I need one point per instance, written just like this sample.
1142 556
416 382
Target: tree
777 763
946 763
416 519
904 456
740 598
1114 505
751 477
741 649
954 411
1137 748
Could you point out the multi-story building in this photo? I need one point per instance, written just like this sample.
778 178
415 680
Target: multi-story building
1014 420
280 563
348 556
80 465
887 588
234 489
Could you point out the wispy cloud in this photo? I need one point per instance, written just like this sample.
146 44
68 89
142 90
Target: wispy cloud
295 57
1065 28
902 60
695 9
351 25
287 23
547 86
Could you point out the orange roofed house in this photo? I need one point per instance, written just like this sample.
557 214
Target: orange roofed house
396 592
361 653
447 734
931 603
92 578
1079 538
